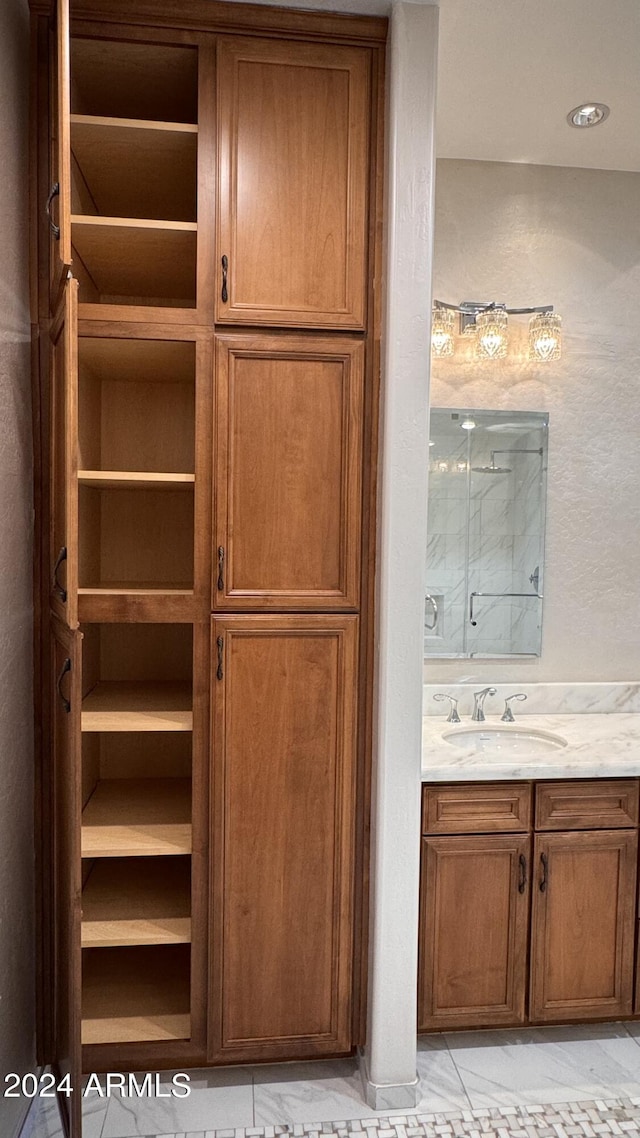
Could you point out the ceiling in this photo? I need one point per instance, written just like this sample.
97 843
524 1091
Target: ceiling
509 72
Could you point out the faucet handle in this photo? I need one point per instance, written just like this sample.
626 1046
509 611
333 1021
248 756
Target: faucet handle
508 714
453 716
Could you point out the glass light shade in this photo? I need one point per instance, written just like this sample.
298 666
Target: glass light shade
442 325
492 334
545 336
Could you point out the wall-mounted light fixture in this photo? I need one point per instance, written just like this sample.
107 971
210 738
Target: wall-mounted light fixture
488 324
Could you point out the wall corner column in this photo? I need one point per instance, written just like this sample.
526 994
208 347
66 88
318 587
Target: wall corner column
389 1058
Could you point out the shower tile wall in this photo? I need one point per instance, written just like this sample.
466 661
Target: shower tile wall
501 545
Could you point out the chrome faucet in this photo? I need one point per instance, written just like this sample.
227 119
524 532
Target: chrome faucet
508 714
478 703
453 716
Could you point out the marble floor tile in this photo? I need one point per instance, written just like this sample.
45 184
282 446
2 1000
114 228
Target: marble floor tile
634 1030
308 1092
220 1098
46 1122
441 1087
546 1065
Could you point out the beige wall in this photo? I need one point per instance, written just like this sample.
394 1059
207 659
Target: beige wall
16 749
531 235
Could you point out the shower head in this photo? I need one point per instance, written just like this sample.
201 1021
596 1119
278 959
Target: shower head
491 469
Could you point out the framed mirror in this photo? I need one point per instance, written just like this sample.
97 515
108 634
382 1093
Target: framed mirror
486 528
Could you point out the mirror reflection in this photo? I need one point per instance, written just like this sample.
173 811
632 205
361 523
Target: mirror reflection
486 523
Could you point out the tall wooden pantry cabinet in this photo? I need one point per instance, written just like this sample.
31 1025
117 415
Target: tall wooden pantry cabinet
206 186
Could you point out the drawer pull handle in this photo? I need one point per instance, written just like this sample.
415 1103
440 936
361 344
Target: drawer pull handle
225 269
522 884
220 645
66 667
53 193
57 587
545 872
220 568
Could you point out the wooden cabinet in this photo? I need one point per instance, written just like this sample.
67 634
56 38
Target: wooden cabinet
473 931
293 124
215 170
289 417
583 923
284 734
63 490
475 893
66 791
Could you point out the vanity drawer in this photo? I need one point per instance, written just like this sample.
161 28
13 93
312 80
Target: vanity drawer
595 805
478 808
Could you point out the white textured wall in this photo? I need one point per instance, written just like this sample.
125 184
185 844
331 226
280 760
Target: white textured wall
16 752
569 237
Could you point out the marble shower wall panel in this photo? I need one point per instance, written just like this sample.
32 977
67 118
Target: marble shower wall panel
568 237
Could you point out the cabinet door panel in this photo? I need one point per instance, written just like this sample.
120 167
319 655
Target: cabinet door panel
293 145
284 769
63 544
583 925
288 472
473 931
59 204
66 866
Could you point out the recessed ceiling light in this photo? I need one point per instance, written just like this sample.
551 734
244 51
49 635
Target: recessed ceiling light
588 114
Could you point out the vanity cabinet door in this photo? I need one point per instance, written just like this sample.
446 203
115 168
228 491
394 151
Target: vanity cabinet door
583 925
474 909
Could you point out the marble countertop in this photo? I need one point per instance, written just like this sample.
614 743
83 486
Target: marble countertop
598 746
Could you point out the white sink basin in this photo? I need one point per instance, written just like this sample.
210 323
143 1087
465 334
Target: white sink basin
504 741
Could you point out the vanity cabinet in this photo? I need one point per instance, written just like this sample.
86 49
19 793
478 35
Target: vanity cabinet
207 293
474 905
584 900
479 965
473 931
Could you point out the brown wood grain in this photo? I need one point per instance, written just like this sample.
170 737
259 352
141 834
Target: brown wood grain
473 931
288 472
599 804
63 413
60 253
583 925
284 777
476 808
293 120
90 16
66 670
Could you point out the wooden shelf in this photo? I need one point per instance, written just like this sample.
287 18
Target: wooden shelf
131 817
136 588
137 902
134 479
134 168
127 260
135 995
115 706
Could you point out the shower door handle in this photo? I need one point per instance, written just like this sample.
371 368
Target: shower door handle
472 597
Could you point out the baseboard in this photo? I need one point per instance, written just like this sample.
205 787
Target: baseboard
387 1096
